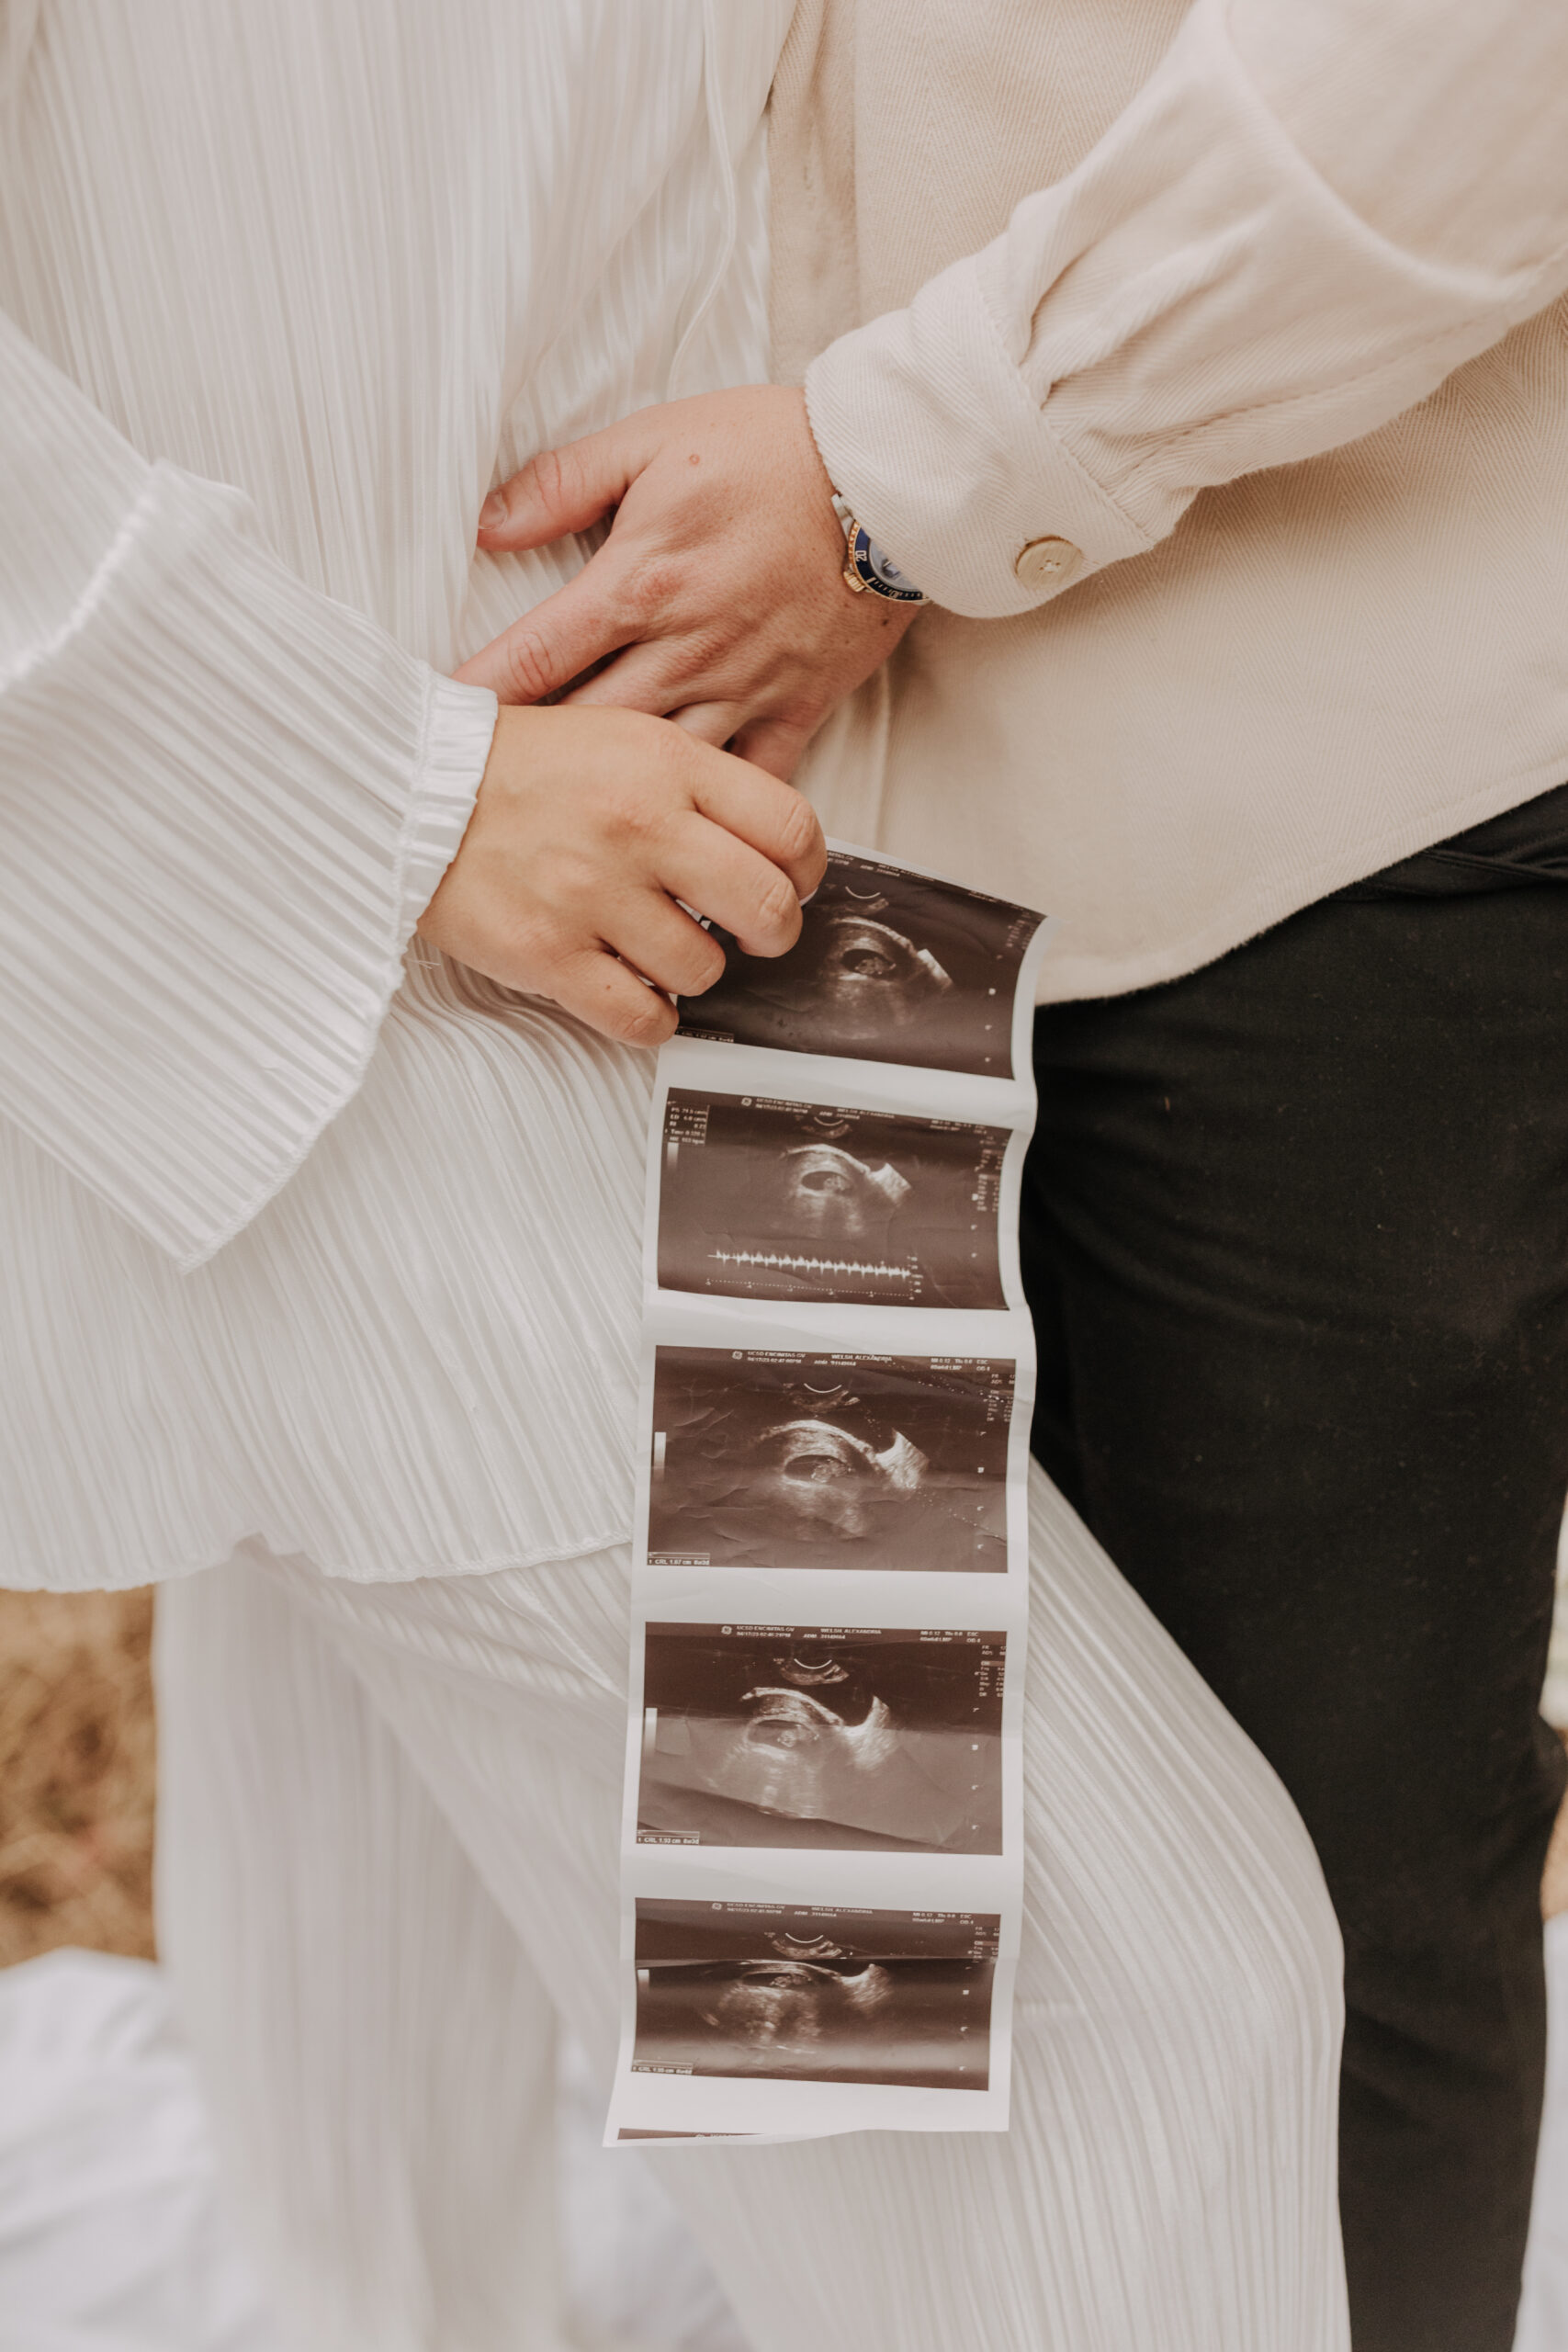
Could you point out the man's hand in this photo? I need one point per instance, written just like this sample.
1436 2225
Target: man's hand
720 588
588 826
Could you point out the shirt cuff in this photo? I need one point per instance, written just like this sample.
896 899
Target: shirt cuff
1192 303
928 431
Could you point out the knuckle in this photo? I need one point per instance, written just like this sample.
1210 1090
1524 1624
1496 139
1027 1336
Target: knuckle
704 966
581 872
644 1025
632 814
560 927
538 956
664 758
527 668
650 588
800 836
545 477
778 913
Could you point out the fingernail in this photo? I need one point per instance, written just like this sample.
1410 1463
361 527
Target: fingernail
492 514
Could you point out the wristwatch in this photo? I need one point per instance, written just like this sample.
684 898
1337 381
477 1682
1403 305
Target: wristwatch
865 566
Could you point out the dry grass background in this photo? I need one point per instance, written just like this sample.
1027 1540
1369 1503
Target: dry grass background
77 1776
76 1772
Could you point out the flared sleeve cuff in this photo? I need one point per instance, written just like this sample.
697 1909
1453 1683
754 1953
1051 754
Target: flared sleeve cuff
225 800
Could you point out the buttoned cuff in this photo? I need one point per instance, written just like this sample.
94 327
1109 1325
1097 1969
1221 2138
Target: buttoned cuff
927 429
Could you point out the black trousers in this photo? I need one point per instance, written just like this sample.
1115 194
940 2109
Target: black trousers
1296 1242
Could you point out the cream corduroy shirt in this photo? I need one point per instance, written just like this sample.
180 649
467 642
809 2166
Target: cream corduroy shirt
1256 305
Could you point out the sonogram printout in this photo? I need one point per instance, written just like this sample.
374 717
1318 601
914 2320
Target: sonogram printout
822 1833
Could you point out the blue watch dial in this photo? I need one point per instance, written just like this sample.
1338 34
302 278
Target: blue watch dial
880 573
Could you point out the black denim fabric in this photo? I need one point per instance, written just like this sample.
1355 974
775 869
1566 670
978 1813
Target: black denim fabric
1296 1237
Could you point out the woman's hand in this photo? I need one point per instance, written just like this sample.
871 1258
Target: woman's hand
588 826
720 590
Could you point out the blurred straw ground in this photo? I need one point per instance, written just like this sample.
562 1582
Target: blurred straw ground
76 1774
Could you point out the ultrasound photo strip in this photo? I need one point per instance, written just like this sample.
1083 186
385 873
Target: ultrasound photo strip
781 1200
822 1832
823 1737
891 966
798 1458
818 1993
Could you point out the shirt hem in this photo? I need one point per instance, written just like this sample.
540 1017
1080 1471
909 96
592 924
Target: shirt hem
1067 979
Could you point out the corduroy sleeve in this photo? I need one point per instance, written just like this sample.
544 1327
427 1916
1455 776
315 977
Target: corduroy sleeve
225 800
1312 213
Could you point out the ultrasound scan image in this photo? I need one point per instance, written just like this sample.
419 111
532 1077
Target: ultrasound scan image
822 1738
764 1458
889 967
762 1199
809 1995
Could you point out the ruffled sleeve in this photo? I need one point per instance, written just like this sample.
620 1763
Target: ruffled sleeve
225 800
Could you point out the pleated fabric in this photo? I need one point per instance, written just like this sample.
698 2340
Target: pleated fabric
387 1860
300 1239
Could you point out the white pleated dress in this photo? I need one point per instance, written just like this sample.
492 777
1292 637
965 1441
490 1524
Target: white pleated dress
299 1237
319 1258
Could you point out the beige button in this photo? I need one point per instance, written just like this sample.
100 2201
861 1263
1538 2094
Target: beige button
1049 563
